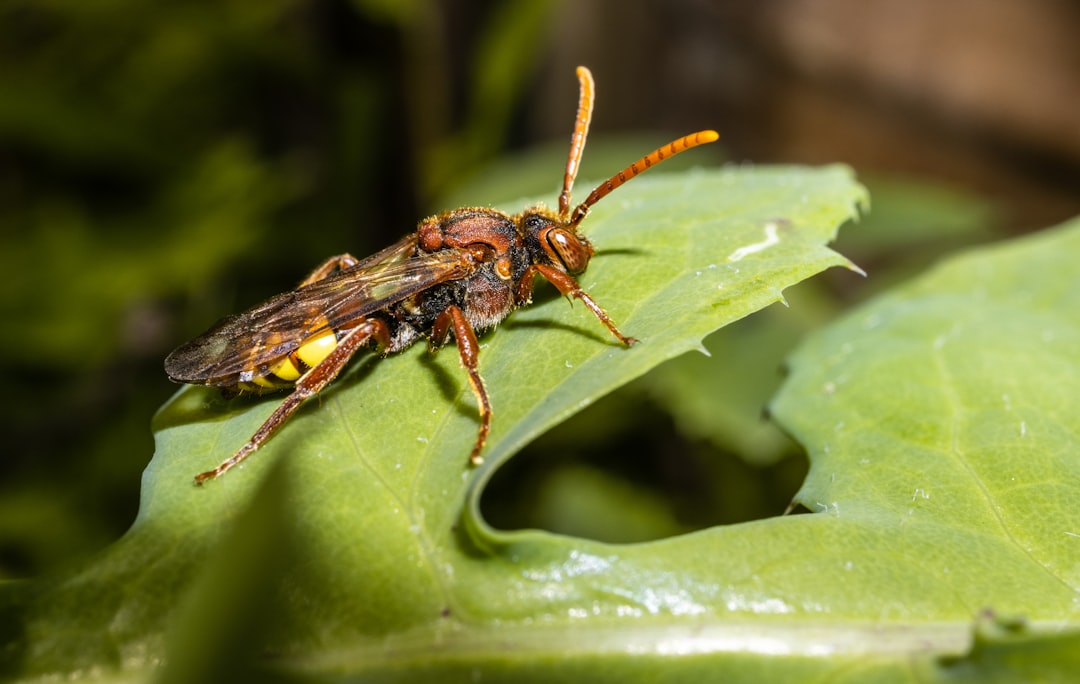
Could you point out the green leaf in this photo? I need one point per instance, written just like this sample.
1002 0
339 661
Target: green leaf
950 408
943 427
380 561
911 226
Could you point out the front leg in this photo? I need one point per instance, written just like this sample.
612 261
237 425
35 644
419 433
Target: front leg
569 287
452 318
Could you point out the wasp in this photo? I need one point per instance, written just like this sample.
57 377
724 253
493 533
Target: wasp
461 271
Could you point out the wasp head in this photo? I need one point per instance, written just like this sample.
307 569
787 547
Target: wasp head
555 242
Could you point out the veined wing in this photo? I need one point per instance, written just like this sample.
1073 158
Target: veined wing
252 342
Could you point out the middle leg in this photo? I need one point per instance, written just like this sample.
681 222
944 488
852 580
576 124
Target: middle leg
452 318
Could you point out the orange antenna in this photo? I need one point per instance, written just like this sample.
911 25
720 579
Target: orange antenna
655 157
577 140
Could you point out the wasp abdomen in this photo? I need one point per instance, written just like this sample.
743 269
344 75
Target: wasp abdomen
287 371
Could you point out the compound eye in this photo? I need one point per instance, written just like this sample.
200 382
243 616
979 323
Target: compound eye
570 250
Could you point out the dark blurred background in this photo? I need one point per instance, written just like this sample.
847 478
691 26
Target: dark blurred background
162 164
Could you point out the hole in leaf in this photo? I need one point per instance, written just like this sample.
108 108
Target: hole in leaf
621 472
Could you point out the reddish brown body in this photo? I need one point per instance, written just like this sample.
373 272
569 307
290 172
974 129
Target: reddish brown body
461 271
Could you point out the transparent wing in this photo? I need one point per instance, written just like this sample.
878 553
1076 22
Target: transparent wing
255 340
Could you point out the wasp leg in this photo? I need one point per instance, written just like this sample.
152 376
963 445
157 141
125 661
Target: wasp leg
331 265
569 287
310 384
468 349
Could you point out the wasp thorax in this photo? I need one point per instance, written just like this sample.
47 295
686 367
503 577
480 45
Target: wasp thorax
481 229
